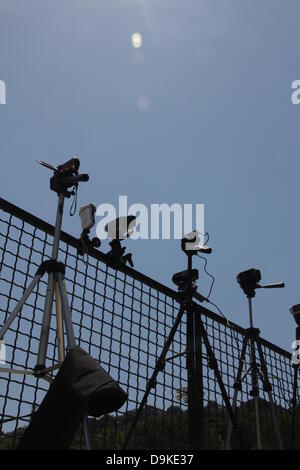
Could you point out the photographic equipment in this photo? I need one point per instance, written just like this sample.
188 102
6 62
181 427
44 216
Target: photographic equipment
120 229
295 311
87 217
69 167
191 243
249 282
65 176
183 278
196 333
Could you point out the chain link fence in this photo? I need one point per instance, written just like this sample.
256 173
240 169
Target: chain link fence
122 319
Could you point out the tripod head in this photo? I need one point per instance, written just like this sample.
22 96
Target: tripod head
185 280
65 176
249 282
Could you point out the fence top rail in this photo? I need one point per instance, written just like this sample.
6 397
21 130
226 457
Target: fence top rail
150 282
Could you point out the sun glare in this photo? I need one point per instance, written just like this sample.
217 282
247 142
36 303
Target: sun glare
136 40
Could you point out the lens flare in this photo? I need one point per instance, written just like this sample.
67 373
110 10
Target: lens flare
136 40
143 103
138 57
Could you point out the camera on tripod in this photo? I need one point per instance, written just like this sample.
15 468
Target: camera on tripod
191 244
295 311
183 279
249 280
65 176
87 218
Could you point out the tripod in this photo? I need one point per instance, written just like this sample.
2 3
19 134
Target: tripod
295 311
294 398
196 333
249 282
65 177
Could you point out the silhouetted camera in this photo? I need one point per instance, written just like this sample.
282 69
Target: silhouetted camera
251 276
249 280
295 311
87 217
118 230
65 175
181 279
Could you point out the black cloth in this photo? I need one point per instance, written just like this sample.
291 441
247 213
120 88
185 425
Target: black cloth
80 387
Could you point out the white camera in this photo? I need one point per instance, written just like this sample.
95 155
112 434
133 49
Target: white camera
87 216
193 241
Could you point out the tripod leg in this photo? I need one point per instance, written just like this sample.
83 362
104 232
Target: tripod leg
19 305
159 366
195 380
71 344
294 404
237 388
41 360
268 388
66 311
213 364
255 390
295 386
59 325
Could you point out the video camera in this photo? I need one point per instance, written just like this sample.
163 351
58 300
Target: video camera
65 175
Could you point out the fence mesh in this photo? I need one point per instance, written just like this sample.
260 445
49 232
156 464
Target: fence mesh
122 319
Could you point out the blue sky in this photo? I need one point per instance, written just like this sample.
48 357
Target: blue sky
220 128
